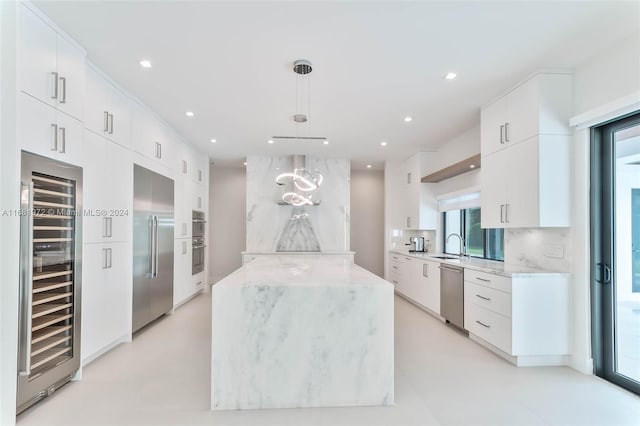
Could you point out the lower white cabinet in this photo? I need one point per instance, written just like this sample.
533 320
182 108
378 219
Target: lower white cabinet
45 131
525 317
106 297
182 279
416 279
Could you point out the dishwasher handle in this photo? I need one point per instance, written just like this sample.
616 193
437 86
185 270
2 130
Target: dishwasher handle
451 269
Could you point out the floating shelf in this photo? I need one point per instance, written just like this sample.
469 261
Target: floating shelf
456 169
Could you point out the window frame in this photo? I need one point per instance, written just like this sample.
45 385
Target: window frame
463 234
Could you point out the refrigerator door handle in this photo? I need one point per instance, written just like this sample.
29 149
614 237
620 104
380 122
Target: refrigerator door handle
156 270
26 275
152 257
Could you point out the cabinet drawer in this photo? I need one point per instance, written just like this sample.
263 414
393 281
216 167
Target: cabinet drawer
488 298
489 326
488 280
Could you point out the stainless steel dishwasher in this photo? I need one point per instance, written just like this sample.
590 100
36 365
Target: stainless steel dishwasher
452 294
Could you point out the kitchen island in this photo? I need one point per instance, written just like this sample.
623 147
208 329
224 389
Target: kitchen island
301 331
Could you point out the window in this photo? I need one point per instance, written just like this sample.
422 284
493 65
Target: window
483 243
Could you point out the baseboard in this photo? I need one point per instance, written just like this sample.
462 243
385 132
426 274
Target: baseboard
421 307
122 339
585 366
187 299
522 360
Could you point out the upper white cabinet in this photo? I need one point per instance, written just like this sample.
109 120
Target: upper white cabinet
45 131
108 191
108 110
540 105
153 139
525 173
419 203
50 67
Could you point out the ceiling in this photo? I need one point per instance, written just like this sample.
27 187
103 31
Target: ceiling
374 63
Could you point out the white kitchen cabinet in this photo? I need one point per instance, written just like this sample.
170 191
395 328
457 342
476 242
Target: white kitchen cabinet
182 282
418 199
417 279
45 131
541 105
527 185
107 191
107 109
183 213
524 318
152 139
106 297
51 68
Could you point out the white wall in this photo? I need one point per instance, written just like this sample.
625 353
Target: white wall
227 225
367 219
327 224
603 84
9 225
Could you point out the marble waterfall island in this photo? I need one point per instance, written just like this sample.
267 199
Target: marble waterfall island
301 331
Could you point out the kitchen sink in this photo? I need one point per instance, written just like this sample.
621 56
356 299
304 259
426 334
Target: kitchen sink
445 257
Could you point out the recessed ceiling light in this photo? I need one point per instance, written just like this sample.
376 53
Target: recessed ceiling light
213 141
245 163
325 142
473 166
383 143
368 166
270 141
407 119
450 75
189 113
145 63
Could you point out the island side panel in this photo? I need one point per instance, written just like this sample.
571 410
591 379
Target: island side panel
302 346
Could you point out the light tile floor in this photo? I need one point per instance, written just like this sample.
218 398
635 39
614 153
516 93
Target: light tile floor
442 377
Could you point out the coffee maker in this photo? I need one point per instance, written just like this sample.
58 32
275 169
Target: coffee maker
416 245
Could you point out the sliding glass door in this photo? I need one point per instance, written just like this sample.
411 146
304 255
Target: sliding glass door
615 209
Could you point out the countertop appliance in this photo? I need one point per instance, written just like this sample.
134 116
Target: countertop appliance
416 245
197 241
50 277
452 294
153 221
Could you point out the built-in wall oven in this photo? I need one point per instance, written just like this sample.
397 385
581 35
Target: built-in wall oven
197 235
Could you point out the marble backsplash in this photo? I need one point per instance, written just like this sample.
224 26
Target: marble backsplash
540 248
400 237
272 227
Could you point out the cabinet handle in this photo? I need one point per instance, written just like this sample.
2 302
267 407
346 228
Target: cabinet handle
407 258
54 137
110 227
199 202
502 134
184 166
483 324
54 93
184 229
394 281
409 178
184 247
63 99
110 124
160 150
483 279
501 213
105 227
408 221
506 213
110 258
63 140
506 132
105 263
483 298
106 121
199 175
425 270
394 267
394 257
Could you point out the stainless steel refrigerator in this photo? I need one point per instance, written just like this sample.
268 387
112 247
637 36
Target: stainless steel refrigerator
153 220
50 277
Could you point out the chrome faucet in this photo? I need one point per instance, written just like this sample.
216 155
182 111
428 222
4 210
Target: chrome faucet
463 248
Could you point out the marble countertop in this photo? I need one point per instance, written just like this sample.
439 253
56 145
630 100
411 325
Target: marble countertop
292 270
482 265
